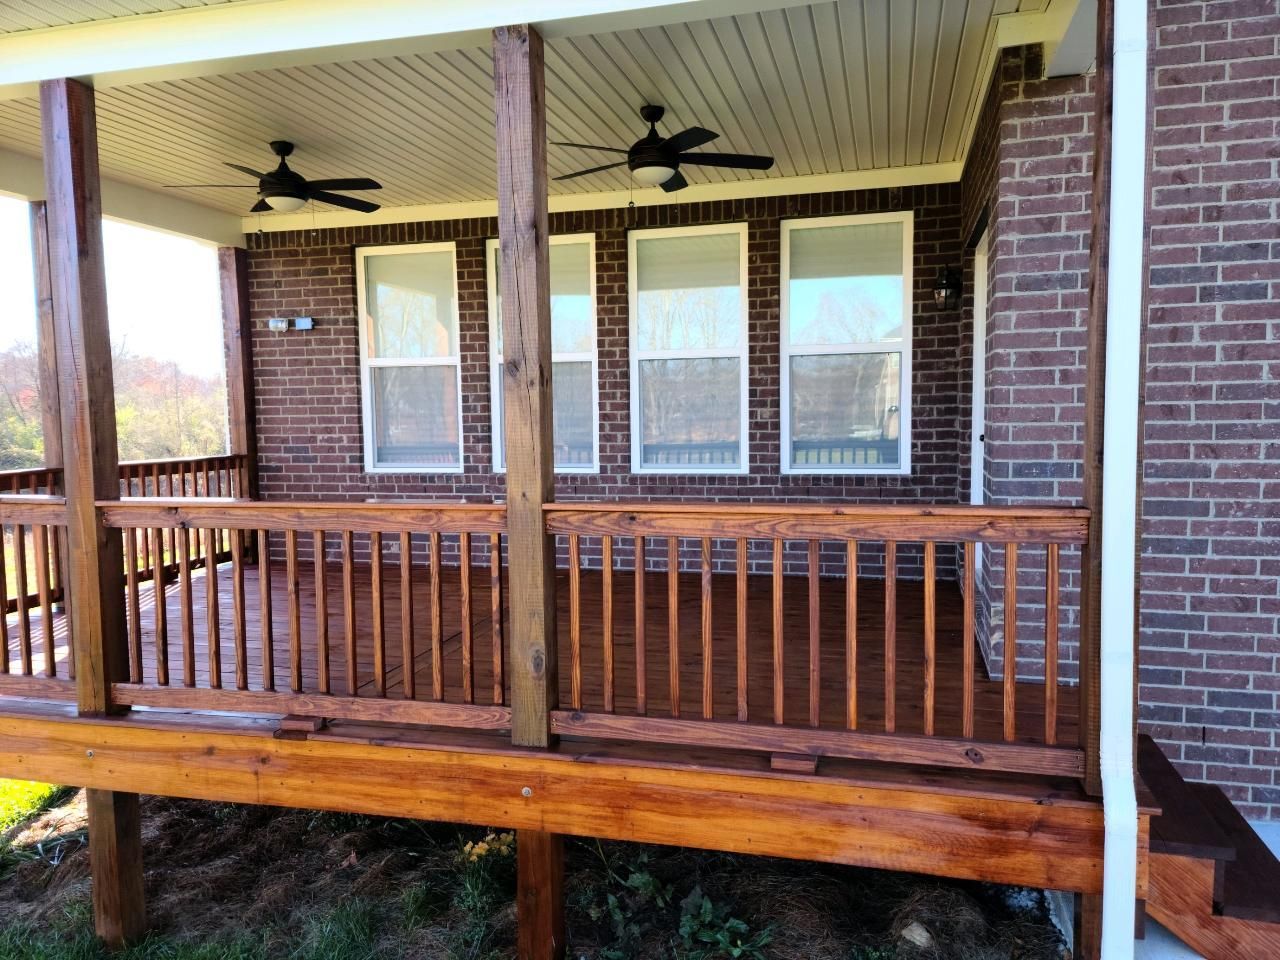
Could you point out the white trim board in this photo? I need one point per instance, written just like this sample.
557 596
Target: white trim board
920 175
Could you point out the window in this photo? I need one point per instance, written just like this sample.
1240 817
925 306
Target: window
688 349
410 374
574 400
846 344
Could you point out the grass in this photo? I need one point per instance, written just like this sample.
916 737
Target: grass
21 799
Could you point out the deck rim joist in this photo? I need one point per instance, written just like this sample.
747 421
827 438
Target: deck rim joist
1028 839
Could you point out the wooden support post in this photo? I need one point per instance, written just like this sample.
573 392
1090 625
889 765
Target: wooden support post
95 561
237 339
526 328
1094 412
540 897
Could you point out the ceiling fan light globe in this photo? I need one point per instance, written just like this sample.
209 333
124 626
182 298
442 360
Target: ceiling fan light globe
653 175
285 203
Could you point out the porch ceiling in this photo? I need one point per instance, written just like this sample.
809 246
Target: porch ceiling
19 15
845 86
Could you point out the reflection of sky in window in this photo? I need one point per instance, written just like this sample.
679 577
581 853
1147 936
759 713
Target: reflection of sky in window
408 323
835 310
698 318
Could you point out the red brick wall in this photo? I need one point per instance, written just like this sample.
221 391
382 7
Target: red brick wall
308 384
1211 550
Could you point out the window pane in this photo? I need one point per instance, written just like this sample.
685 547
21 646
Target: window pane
688 292
572 314
846 284
415 416
573 407
845 410
409 299
690 412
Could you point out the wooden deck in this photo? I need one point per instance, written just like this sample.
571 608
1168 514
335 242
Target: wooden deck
909 674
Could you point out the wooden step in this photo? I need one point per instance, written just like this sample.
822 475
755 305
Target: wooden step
1184 826
1251 882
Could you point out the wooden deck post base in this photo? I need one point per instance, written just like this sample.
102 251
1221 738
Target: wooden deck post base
540 895
115 857
1088 927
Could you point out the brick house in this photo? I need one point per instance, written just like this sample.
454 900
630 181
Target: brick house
976 396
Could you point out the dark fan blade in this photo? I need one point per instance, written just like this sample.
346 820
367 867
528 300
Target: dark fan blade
587 146
245 170
675 182
688 139
739 161
260 207
350 183
338 200
583 173
201 186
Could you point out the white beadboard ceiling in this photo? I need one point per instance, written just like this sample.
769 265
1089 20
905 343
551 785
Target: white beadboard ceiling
832 87
19 15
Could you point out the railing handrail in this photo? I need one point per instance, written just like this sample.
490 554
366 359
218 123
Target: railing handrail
231 513
181 461
36 509
835 521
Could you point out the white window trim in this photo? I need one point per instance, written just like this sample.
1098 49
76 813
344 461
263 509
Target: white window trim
904 346
497 462
366 362
742 352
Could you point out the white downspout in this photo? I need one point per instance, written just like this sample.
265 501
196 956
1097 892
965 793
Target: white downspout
1120 479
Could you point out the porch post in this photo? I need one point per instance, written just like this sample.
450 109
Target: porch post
526 336
46 338
233 281
95 563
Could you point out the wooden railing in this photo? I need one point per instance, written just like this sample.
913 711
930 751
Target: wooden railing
753 638
29 659
348 639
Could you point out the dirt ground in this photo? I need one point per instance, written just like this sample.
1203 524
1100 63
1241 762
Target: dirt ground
283 878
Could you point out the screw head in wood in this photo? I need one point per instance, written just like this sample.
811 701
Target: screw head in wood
527 792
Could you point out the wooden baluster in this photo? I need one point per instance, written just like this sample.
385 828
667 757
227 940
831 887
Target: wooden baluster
351 648
970 623
134 605
186 607
214 625
1051 645
4 602
155 480
890 636
24 600
779 679
40 538
930 644
606 614
740 574
147 562
264 601
815 635
708 691
464 588
642 699
1010 639
673 621
851 634
575 623
322 610
239 627
162 632
437 621
408 658
495 616
295 610
379 615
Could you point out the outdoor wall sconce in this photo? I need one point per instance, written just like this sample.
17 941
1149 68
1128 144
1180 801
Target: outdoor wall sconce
946 289
282 324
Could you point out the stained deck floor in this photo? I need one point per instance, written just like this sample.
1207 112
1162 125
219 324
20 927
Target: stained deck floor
909 687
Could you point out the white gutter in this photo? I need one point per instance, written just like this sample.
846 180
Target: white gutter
1120 476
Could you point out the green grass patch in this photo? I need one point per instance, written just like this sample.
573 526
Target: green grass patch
21 799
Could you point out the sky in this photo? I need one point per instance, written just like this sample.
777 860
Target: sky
162 291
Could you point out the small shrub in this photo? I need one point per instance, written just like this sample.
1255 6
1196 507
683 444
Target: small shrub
708 932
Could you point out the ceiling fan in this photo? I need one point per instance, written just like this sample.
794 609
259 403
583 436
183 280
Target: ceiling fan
655 160
285 191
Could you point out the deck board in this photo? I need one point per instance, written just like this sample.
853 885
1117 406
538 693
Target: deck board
909 643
